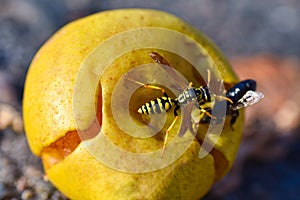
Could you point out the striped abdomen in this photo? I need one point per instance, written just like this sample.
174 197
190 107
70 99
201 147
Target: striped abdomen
157 106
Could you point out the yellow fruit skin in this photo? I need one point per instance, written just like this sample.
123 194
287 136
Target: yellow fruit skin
48 114
80 176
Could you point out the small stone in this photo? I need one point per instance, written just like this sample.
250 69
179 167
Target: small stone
21 184
8 170
43 189
27 194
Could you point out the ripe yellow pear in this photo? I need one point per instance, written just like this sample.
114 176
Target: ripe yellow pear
57 73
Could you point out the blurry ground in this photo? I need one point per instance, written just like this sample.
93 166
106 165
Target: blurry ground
260 36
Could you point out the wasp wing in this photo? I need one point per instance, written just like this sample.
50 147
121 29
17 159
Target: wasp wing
250 98
176 76
187 121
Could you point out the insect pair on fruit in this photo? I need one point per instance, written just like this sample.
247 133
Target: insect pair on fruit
241 95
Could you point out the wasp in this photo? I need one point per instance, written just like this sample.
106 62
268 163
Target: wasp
239 96
188 97
242 95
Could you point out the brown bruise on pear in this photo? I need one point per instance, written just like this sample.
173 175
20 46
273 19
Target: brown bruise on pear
63 147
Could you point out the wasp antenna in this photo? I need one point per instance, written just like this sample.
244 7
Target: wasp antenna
147 85
135 81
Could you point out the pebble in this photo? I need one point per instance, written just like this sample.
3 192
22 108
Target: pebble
27 194
21 184
10 117
8 170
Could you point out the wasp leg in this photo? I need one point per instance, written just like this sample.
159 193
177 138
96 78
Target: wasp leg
207 113
148 86
234 116
206 117
168 130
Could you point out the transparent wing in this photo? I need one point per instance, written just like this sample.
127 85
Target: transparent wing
180 81
250 98
186 123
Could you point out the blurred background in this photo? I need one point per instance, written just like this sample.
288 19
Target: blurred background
262 41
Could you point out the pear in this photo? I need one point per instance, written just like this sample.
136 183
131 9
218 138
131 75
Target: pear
65 105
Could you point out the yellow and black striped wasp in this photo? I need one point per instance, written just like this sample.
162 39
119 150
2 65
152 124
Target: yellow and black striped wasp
241 95
188 97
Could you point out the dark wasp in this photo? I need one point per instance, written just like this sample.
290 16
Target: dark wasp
242 95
